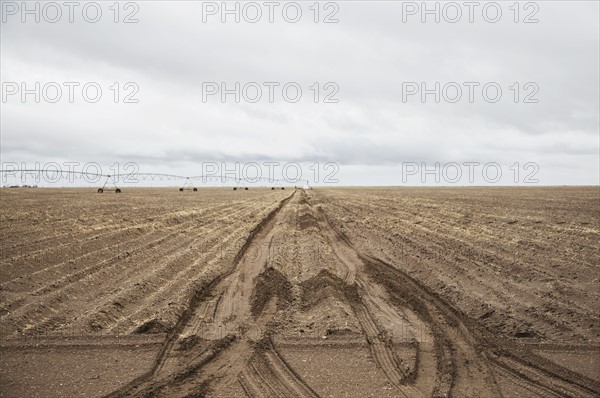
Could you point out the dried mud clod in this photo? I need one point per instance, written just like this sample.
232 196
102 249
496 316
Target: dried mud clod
307 221
270 284
153 326
321 286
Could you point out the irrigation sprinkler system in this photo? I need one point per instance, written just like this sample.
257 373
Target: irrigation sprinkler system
188 185
111 180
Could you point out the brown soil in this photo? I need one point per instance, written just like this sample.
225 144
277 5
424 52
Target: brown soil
411 292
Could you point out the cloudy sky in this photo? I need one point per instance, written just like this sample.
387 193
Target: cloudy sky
370 124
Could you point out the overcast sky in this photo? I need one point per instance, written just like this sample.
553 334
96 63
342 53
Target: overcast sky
370 55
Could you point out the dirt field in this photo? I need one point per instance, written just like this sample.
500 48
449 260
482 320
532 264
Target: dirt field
354 292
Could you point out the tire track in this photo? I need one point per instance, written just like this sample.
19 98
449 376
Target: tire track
529 367
495 351
113 234
538 379
168 364
167 287
268 375
452 350
363 303
55 294
161 284
492 249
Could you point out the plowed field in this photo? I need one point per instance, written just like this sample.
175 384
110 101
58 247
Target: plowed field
347 292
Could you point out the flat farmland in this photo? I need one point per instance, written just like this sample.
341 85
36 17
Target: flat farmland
345 292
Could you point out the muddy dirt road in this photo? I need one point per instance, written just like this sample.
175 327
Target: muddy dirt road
316 293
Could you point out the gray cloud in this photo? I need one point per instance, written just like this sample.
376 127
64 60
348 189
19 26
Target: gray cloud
368 54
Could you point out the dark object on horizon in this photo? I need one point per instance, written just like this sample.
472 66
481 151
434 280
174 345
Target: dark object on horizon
101 190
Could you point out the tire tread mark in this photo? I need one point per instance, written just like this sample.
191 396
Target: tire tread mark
197 296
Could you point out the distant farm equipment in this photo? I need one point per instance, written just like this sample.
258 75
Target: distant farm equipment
115 182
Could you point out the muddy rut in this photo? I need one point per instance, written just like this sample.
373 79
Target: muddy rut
228 340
